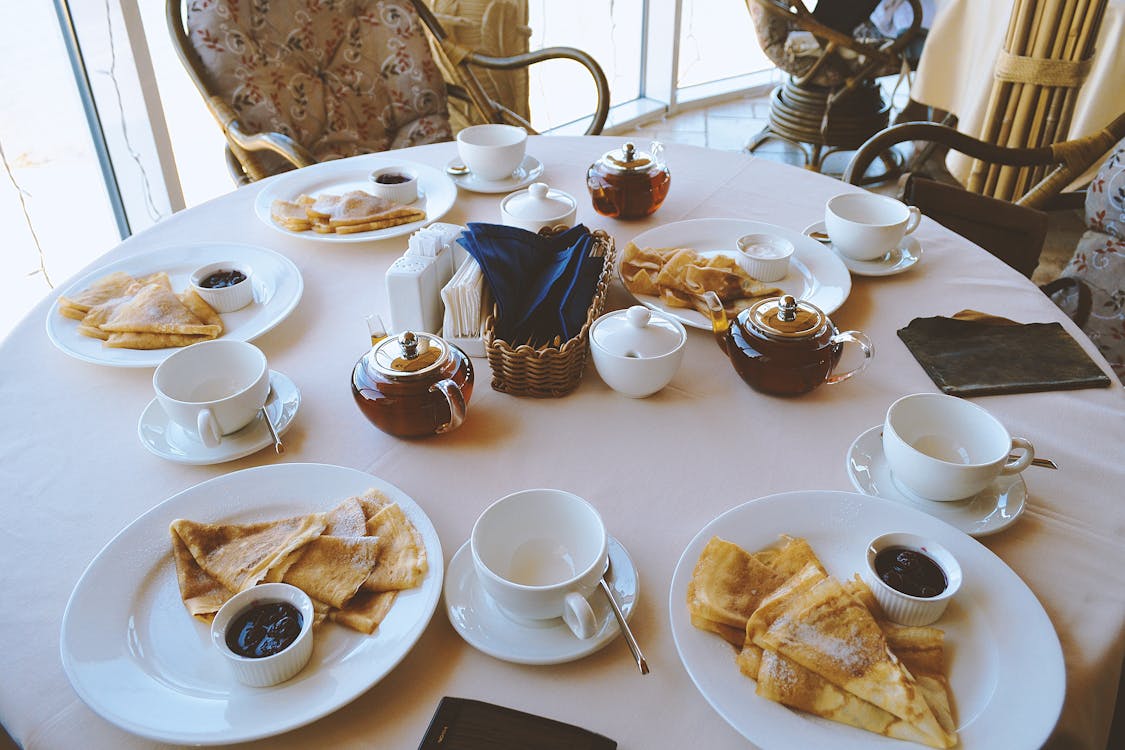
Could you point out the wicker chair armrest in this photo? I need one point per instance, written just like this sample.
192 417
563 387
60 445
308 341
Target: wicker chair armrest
279 143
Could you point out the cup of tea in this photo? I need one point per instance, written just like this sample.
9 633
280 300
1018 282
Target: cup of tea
866 226
490 151
213 388
944 448
539 554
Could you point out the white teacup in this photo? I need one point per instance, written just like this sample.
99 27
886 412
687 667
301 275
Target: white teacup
540 554
945 448
213 388
492 152
866 226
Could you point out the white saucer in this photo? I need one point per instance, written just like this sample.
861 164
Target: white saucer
994 508
168 440
486 628
526 173
896 261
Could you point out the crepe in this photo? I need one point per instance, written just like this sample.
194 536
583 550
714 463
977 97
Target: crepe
349 213
728 584
402 555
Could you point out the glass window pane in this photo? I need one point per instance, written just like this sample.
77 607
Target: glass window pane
717 41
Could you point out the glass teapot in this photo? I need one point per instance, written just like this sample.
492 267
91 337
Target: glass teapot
413 384
784 346
629 184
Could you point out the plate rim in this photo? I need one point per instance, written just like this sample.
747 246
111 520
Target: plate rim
359 164
958 542
153 357
171 505
806 248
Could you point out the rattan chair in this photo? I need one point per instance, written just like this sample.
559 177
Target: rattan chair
290 90
830 101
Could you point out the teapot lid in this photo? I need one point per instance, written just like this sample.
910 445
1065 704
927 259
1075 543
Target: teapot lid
786 317
629 159
636 333
538 203
408 355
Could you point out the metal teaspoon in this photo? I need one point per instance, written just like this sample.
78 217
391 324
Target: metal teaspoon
629 639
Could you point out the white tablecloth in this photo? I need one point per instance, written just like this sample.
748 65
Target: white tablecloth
955 71
74 473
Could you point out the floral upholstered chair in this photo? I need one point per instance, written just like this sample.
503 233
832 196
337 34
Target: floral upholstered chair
296 82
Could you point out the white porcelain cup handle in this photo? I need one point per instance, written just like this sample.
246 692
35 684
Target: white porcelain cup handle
914 220
579 616
208 428
1023 460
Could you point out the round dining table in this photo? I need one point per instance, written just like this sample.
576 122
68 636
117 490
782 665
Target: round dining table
658 469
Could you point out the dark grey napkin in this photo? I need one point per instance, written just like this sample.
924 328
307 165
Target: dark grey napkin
983 356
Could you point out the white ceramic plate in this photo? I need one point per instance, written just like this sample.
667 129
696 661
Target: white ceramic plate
485 627
138 659
816 274
526 173
436 193
900 259
1004 659
278 286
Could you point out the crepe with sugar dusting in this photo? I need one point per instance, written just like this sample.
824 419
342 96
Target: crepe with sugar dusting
349 213
351 560
679 276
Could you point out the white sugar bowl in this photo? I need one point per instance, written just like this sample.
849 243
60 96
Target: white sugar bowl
537 207
637 351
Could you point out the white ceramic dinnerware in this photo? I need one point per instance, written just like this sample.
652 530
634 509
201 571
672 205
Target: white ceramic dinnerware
904 608
219 285
276 668
529 171
866 226
990 627
944 448
492 151
539 554
213 388
900 259
395 183
637 351
537 207
765 256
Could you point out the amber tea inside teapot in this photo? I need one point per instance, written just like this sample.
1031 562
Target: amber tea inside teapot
627 183
784 346
413 384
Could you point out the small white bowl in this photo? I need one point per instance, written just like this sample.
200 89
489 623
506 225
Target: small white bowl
765 256
904 608
637 351
227 298
266 670
404 191
537 207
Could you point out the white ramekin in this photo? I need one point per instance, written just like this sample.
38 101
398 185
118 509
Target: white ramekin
229 298
765 256
279 667
904 608
404 193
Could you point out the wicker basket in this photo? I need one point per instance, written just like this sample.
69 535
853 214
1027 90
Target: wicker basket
548 371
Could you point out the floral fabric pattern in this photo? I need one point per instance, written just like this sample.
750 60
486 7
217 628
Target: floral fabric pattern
1099 260
340 77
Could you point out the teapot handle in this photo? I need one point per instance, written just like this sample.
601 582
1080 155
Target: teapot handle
854 337
456 402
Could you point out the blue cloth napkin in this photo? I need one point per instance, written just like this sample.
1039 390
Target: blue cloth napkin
542 286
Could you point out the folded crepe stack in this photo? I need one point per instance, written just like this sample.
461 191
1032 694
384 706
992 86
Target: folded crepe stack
352 560
815 644
145 313
354 211
679 276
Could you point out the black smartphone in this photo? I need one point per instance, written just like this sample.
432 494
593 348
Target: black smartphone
463 724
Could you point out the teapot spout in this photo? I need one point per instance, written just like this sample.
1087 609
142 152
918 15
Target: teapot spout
720 325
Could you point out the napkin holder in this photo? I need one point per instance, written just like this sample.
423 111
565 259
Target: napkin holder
549 371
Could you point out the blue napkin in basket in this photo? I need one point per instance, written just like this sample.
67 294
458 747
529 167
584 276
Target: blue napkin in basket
542 286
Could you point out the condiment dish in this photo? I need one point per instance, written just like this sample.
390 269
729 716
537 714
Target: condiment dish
226 286
905 608
277 667
637 351
395 183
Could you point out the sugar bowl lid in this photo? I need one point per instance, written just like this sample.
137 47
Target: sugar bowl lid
786 317
628 159
538 203
637 333
408 355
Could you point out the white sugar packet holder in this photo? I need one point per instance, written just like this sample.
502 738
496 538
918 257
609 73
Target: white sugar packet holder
466 304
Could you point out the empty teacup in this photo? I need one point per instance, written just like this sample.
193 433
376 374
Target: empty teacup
492 152
945 448
539 555
866 226
213 388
